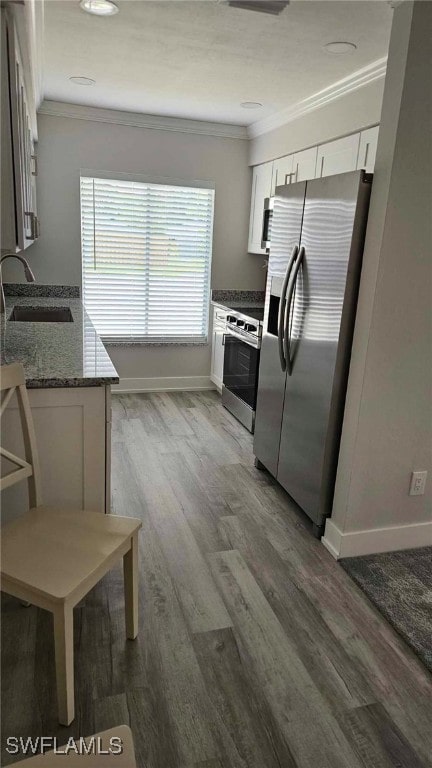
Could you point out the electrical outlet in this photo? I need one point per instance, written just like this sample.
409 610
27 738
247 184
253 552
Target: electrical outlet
418 483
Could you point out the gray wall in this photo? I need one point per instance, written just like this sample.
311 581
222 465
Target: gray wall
66 145
387 428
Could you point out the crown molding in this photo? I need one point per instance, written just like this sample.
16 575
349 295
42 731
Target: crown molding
341 88
353 82
138 120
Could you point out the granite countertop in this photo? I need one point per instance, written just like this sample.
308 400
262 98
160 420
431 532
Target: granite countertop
237 299
237 306
56 354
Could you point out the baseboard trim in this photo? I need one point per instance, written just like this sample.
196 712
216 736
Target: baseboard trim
164 384
371 541
217 383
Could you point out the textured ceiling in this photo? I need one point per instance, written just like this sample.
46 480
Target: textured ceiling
200 59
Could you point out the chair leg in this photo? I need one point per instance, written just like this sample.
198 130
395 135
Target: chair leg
63 640
130 574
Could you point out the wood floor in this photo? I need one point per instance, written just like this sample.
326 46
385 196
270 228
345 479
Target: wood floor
255 650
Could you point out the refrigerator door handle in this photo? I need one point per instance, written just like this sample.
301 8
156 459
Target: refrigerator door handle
291 289
281 317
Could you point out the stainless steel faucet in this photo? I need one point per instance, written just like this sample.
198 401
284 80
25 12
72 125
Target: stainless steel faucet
27 271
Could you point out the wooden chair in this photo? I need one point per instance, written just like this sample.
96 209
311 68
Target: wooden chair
52 557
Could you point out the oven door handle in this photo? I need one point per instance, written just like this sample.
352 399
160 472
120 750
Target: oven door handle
281 318
291 290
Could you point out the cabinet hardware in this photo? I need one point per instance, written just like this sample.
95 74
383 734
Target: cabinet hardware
366 154
34 225
288 176
35 165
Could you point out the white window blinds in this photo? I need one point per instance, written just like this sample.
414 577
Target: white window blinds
146 254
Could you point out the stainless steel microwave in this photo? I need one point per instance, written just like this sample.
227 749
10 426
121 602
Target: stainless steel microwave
267 222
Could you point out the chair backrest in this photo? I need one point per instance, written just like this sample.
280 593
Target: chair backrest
12 380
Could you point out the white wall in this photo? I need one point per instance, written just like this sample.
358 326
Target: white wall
348 114
66 145
387 429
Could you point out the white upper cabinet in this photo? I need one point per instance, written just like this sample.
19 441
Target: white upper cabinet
297 167
19 165
261 188
338 156
282 172
368 148
353 152
304 164
7 197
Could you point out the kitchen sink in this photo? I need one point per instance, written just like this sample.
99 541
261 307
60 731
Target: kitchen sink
42 315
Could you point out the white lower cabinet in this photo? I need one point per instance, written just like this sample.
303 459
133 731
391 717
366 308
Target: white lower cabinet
72 427
218 348
338 156
367 149
261 188
217 357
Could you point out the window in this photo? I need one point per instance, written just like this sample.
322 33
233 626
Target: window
146 255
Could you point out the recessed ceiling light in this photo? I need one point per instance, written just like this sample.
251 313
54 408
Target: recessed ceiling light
251 105
82 80
340 48
99 7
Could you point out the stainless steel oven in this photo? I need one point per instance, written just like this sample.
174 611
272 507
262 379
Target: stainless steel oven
241 364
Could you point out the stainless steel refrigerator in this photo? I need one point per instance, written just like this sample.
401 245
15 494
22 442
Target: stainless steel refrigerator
317 236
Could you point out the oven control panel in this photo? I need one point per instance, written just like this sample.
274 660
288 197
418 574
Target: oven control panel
245 328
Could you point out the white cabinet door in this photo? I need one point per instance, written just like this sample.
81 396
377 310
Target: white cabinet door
297 167
218 350
282 172
368 148
338 156
70 425
304 164
7 196
261 188
19 142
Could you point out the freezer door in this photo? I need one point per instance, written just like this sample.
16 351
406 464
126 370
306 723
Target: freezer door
285 236
320 323
287 218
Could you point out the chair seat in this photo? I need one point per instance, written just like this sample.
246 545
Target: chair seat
56 552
